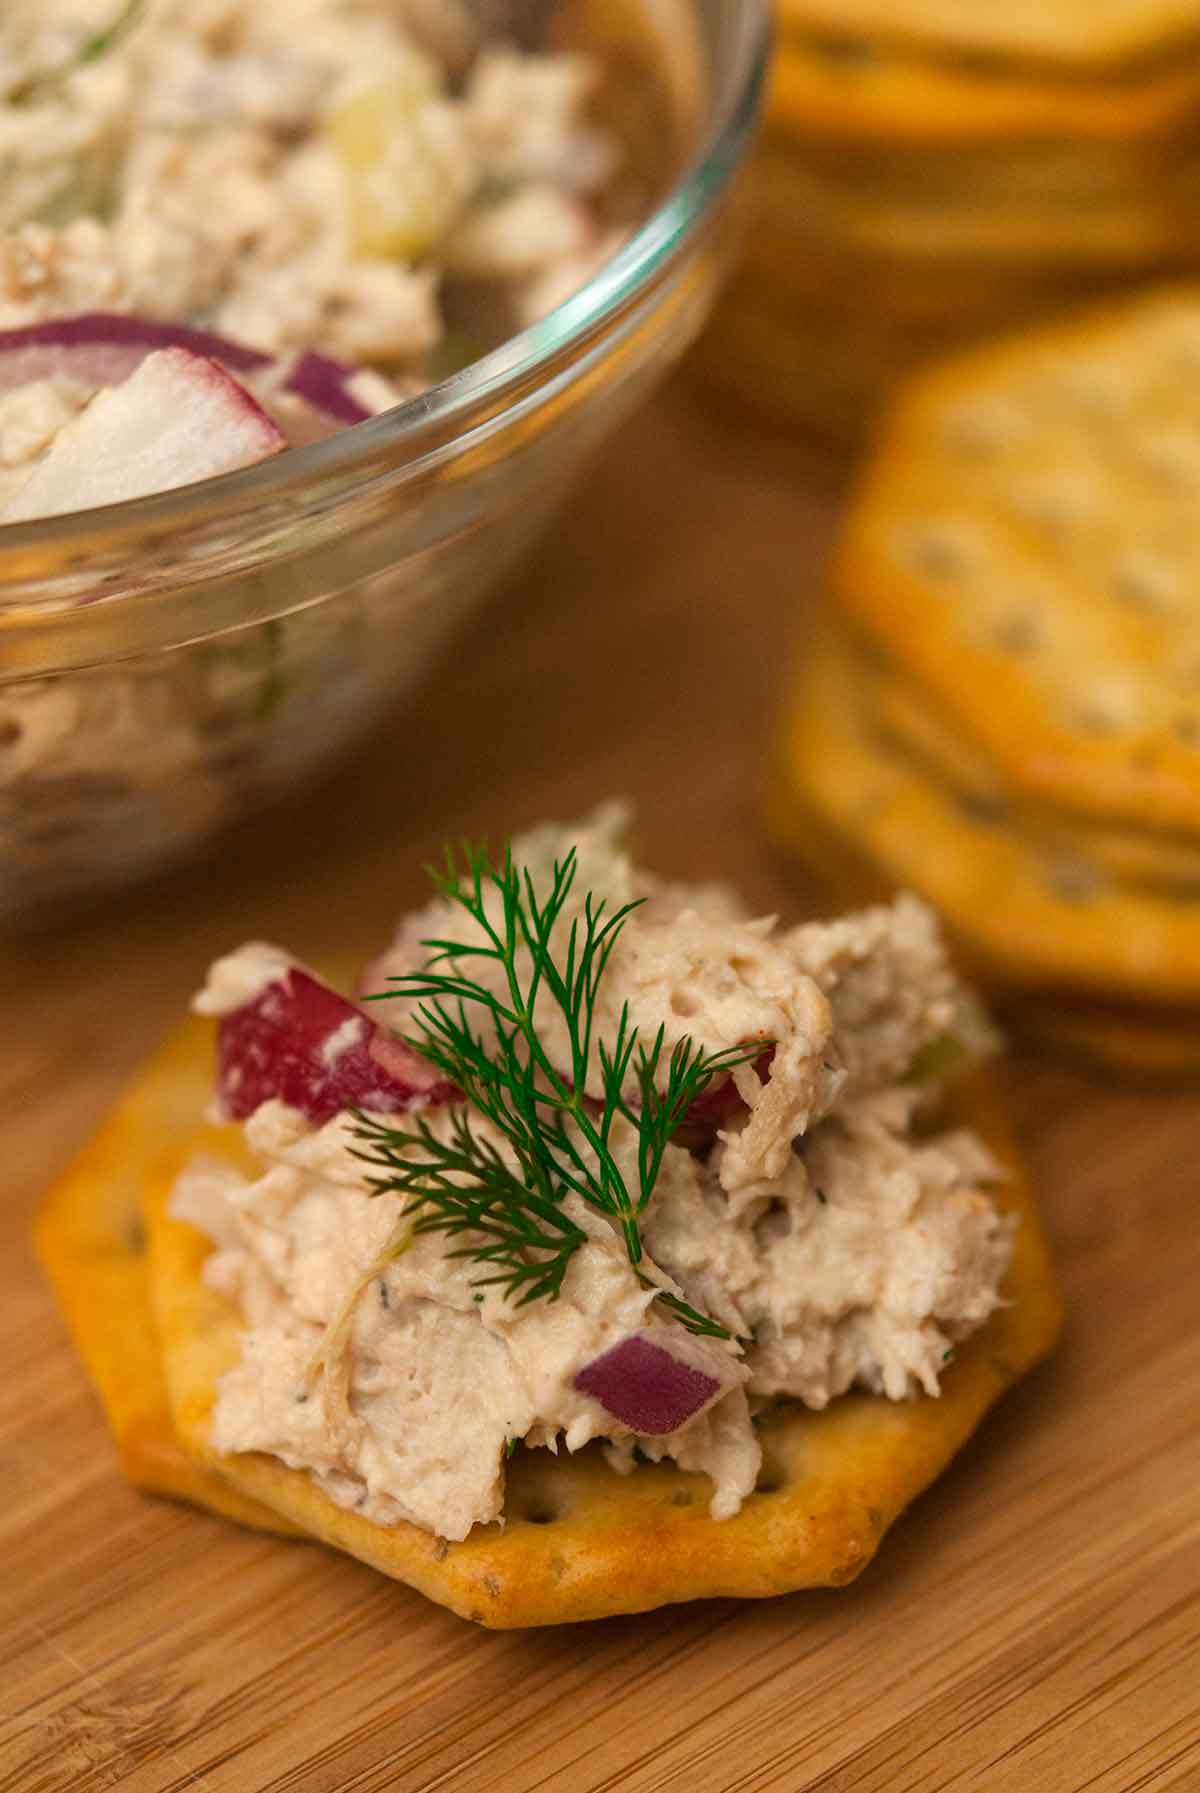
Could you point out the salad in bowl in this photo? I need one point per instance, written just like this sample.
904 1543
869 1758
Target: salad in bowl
298 212
309 315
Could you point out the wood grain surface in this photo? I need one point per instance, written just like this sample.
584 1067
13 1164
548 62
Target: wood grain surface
1033 1624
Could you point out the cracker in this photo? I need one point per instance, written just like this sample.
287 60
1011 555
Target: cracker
940 301
1011 179
862 91
909 215
1015 920
1146 1044
1068 34
801 327
90 1239
581 1542
787 356
1169 864
1026 546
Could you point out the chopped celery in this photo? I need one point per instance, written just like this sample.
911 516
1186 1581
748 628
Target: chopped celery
403 193
939 1060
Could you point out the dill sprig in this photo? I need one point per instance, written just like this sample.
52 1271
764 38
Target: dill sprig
560 1137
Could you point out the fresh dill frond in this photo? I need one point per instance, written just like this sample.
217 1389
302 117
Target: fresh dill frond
464 1186
560 1137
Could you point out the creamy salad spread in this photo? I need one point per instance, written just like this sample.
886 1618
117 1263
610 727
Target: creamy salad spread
291 173
817 1234
337 201
381 181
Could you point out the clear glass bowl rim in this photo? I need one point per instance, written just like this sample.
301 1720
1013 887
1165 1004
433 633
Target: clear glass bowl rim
402 436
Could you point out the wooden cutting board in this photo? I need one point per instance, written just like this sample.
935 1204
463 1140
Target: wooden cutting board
1034 1624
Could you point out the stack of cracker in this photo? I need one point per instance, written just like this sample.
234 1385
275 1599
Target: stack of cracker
934 171
1002 708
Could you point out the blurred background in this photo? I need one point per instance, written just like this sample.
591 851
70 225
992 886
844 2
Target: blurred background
932 175
817 207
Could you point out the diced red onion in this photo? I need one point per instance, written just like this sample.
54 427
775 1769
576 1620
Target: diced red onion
102 348
323 383
641 1384
302 1043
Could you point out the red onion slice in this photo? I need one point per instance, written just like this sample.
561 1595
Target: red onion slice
102 348
641 1384
301 1042
324 384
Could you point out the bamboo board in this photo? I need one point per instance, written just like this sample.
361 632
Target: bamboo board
1033 1624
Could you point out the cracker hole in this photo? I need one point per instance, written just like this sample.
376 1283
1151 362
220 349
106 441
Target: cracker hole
1187 730
935 554
978 807
847 52
980 431
1095 718
1144 582
683 1497
10 731
1098 390
1073 882
1171 458
539 1516
1018 633
1056 512
682 1004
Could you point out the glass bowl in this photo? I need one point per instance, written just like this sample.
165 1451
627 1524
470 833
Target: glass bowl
170 666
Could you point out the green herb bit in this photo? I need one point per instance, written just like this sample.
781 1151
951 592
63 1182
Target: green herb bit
103 41
561 1138
939 1061
90 50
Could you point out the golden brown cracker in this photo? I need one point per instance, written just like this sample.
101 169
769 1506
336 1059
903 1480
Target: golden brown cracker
1026 546
785 357
90 1239
1017 921
1144 1044
930 216
802 327
581 1542
1166 863
1083 34
849 90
